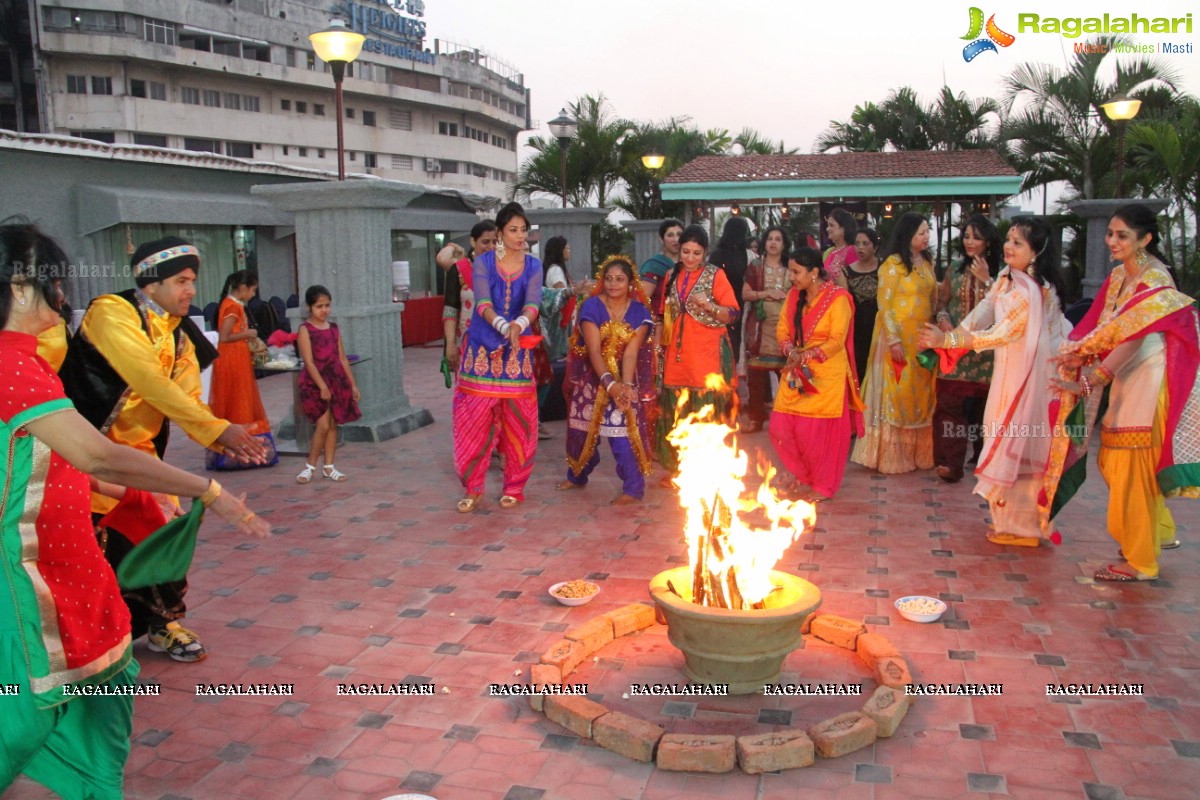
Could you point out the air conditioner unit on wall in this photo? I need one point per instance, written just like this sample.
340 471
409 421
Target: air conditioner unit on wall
433 165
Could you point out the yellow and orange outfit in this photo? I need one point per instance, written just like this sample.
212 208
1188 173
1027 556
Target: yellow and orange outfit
234 395
899 396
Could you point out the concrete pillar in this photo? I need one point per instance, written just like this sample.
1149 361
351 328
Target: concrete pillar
576 225
645 238
344 242
1098 260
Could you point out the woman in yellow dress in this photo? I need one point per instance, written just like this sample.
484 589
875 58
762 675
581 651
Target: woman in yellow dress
897 390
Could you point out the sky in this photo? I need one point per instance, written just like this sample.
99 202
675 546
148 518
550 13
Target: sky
783 67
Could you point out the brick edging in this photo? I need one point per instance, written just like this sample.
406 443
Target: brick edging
791 748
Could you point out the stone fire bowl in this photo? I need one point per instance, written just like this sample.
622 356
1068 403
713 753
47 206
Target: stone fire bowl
743 649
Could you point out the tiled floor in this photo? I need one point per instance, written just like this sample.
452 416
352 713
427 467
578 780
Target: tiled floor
379 580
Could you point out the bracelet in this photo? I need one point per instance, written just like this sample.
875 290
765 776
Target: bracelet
787 347
606 384
210 494
1103 374
499 323
943 315
522 322
1085 386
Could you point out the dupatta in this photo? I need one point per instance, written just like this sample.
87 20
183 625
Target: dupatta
1154 307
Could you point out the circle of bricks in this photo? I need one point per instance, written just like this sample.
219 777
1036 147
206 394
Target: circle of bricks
792 748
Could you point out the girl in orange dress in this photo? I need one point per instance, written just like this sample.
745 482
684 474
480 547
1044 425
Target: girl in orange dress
234 393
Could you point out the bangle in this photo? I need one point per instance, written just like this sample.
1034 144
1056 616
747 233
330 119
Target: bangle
1085 386
210 494
606 384
522 322
1103 374
943 315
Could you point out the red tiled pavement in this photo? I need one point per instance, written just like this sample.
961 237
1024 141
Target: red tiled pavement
378 580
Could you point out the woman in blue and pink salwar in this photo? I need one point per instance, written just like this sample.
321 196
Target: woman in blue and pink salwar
495 401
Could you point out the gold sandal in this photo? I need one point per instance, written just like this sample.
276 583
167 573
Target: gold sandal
468 504
508 501
1012 540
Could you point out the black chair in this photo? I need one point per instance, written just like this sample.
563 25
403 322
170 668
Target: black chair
1078 310
210 315
285 324
293 301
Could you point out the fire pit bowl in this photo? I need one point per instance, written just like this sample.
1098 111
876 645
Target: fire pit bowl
743 649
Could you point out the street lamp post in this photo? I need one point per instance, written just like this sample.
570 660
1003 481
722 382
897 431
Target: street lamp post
1120 110
653 161
337 46
563 128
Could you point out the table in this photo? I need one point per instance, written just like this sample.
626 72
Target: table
421 320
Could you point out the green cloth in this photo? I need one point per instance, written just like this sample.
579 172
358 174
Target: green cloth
165 555
972 367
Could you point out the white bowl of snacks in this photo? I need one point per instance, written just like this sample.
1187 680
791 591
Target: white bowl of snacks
574 593
919 608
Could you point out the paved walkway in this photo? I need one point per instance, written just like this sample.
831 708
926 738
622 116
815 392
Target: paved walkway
379 580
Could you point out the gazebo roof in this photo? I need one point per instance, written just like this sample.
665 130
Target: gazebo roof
903 175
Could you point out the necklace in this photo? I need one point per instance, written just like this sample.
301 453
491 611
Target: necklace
611 314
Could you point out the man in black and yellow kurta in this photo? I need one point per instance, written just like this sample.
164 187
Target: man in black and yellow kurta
132 368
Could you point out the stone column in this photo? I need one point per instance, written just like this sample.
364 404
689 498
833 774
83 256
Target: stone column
1098 260
576 225
645 238
344 243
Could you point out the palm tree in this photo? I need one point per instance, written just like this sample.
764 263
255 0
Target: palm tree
903 122
1061 133
593 157
1165 150
956 122
679 142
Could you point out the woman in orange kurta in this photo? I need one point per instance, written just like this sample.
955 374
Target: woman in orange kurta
818 403
698 356
234 394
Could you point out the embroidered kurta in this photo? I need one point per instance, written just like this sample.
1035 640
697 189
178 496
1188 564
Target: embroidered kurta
490 366
694 338
906 301
828 322
69 619
961 294
762 316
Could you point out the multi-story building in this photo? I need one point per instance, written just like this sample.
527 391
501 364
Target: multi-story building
240 78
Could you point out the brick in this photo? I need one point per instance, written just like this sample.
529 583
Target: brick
543 675
564 654
629 736
593 634
838 630
630 618
574 713
842 734
887 707
768 752
687 752
871 647
892 671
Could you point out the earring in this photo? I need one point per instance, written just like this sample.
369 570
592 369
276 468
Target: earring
21 299
1142 258
500 251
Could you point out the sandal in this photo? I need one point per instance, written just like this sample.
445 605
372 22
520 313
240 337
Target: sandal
1114 574
468 504
1012 540
566 486
508 501
332 472
306 475
947 474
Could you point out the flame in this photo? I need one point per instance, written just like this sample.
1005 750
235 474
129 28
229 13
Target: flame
755 531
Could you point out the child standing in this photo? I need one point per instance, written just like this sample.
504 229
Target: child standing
328 394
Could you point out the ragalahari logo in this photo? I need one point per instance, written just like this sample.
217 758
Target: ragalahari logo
995 36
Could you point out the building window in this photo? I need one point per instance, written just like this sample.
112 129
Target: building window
448 128
369 118
353 155
158 31
158 91
202 145
319 109
400 119
233 101
77 84
150 139
302 152
449 166
250 102
370 160
310 60
365 71
101 84
108 137
239 149
285 105
301 107
189 95
212 98
291 57
402 162
285 149
225 47
320 152
137 88
349 113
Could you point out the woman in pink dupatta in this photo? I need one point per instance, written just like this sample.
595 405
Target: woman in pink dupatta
1021 320
1140 340
841 228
